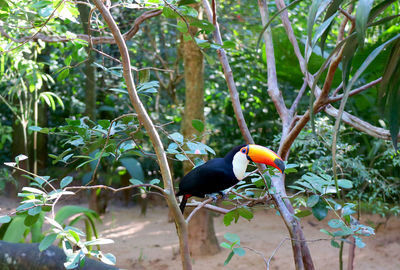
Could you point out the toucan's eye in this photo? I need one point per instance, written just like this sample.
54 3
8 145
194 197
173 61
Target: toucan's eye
244 150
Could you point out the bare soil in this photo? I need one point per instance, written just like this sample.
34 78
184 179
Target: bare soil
150 241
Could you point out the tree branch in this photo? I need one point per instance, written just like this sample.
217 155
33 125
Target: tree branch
273 89
360 125
228 76
355 91
145 120
90 39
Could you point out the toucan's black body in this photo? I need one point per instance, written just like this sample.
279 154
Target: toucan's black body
221 173
213 176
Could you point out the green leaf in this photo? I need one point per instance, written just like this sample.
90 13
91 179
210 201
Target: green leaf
25 206
66 181
359 242
229 44
33 190
155 182
312 200
108 258
231 237
30 220
312 17
182 27
362 13
176 136
135 182
335 223
15 230
169 13
326 232
34 211
198 125
66 212
63 75
100 241
186 2
229 258
246 213
4 219
228 218
345 183
348 210
239 251
335 244
303 213
47 241
134 167
181 157
104 123
319 210
333 7
225 245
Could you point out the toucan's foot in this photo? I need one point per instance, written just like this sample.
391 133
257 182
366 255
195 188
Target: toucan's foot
224 195
213 196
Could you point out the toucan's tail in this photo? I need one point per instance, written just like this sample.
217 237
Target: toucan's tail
184 201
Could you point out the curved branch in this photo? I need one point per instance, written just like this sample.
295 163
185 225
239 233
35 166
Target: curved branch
146 121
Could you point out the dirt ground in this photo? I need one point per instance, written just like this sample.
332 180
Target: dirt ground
150 242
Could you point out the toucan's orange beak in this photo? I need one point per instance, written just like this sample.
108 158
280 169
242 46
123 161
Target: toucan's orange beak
261 154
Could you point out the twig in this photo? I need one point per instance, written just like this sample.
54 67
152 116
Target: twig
258 253
298 98
37 32
33 174
117 189
355 91
348 15
201 205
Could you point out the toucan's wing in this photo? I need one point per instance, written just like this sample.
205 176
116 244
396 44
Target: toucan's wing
213 176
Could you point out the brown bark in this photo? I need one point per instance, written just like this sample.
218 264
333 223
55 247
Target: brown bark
202 238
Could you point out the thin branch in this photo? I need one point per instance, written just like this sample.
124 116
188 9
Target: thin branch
30 173
293 108
355 91
273 88
34 35
90 39
117 189
348 15
145 120
201 205
228 76
210 207
360 125
258 253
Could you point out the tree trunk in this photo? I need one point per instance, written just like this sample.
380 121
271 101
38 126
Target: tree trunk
202 238
90 92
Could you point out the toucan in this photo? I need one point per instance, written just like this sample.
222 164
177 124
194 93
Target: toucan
218 174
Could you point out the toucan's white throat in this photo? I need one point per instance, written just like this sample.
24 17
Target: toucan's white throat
239 164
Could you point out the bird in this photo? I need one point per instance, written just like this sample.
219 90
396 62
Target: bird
218 174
